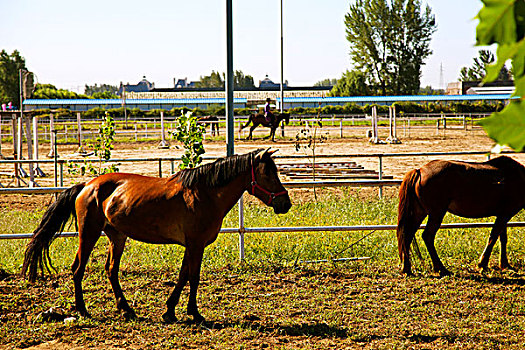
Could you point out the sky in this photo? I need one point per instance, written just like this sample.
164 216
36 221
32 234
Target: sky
72 43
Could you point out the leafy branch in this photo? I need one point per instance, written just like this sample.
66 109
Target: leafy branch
502 22
101 149
191 135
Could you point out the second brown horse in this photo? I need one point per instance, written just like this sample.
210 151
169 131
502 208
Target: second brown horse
471 190
187 209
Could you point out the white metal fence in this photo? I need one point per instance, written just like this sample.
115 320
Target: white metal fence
242 229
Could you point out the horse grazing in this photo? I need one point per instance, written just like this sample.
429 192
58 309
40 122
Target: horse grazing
213 121
470 190
186 209
259 119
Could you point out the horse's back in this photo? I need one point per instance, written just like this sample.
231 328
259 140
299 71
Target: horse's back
471 189
141 207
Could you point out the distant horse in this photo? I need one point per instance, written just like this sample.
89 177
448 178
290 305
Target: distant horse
213 121
259 119
471 190
186 209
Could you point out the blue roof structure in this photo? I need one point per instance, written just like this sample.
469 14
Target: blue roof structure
115 101
391 99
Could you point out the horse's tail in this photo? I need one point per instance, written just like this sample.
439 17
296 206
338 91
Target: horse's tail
55 218
406 210
250 120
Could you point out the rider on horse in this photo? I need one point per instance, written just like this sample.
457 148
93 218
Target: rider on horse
268 113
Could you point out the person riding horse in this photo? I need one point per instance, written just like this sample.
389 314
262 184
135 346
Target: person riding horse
268 115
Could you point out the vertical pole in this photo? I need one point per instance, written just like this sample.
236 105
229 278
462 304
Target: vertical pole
52 136
241 229
163 142
35 138
282 60
55 156
282 70
229 80
79 131
341 128
160 167
30 153
15 148
380 175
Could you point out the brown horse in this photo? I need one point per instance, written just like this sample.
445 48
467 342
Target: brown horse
471 190
259 119
213 120
186 209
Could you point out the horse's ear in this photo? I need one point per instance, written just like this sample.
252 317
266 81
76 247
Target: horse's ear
262 153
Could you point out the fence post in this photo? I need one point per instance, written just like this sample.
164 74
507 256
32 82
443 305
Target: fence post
163 143
341 128
241 229
380 175
52 137
79 132
160 167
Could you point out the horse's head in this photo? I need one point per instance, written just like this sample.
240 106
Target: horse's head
265 183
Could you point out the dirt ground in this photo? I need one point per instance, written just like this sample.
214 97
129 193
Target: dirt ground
352 147
286 309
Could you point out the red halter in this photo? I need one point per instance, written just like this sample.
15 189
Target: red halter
271 195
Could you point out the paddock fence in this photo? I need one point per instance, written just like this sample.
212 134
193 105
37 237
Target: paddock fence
69 130
242 229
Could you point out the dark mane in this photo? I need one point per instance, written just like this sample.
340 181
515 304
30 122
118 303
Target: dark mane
218 173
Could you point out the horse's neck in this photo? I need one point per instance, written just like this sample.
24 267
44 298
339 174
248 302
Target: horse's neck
229 194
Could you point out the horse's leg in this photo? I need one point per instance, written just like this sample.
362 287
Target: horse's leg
499 229
250 136
117 241
429 235
89 231
195 253
173 300
503 259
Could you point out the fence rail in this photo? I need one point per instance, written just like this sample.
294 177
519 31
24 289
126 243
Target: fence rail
242 229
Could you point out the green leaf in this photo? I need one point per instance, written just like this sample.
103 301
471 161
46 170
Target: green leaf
496 23
508 126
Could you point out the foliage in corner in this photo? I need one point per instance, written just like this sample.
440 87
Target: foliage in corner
101 149
502 22
191 134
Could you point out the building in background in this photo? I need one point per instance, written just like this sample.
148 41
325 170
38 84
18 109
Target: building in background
143 86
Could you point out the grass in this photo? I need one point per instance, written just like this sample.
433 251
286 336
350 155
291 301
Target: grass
273 301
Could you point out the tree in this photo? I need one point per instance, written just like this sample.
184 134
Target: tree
326 82
214 80
48 91
428 90
242 81
390 40
478 70
217 80
10 65
352 83
90 90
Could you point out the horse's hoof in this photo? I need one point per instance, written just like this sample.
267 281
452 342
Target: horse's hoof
129 315
507 267
169 317
85 314
197 318
445 273
407 272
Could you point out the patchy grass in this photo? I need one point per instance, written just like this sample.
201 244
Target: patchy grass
272 300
